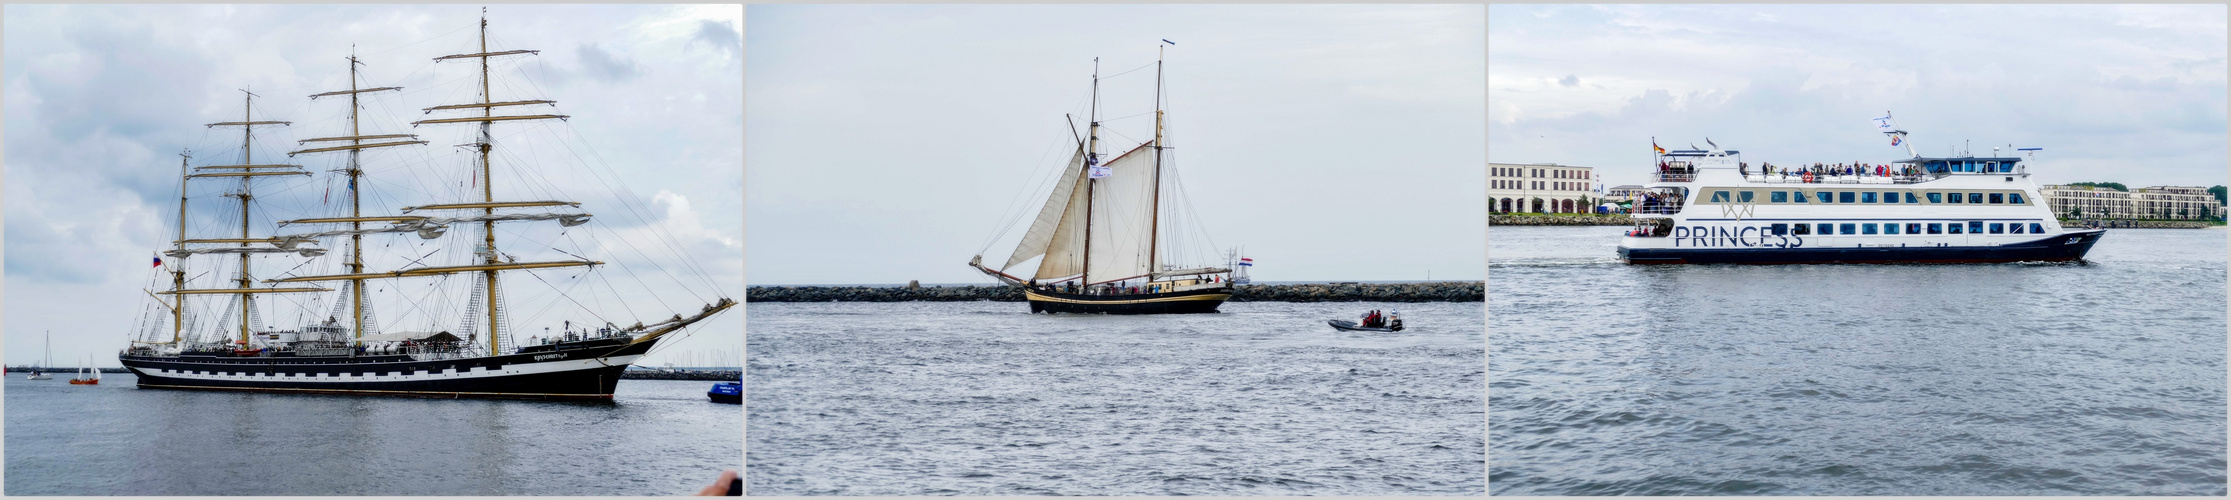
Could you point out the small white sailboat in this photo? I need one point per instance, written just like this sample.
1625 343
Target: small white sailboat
46 359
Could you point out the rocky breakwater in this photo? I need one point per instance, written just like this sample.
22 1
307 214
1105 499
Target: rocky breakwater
1445 291
1559 220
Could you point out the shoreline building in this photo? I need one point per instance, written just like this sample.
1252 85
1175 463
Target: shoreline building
2156 202
1540 188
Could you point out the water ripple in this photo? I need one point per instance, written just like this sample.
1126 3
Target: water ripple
2097 378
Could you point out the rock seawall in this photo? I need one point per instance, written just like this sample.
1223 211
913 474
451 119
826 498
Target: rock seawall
1559 220
1446 291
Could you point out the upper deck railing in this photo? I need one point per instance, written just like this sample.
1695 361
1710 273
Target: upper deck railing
1840 179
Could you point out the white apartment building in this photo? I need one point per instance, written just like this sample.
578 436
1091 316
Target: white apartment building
1540 188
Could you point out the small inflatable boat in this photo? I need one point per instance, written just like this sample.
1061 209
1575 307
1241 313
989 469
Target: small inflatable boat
1350 326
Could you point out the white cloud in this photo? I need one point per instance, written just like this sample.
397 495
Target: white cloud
2095 85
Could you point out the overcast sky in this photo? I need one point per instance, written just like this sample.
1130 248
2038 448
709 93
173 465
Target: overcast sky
2124 93
101 99
888 143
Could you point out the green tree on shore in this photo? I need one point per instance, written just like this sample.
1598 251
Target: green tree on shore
2111 185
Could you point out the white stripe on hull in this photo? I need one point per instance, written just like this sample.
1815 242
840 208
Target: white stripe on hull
393 376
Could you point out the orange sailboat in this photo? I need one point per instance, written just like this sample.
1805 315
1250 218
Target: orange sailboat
81 380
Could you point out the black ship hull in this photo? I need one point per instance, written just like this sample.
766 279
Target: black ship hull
1181 302
576 371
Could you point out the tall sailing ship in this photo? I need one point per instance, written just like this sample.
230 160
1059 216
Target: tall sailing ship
1101 238
344 351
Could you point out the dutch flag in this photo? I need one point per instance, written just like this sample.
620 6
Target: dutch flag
1246 261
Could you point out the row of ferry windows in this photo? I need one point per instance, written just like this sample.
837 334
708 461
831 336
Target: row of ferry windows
1972 227
1868 197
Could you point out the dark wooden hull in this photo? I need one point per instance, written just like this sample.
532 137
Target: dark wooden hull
1185 302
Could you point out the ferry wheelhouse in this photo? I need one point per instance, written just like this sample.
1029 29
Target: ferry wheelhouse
1709 206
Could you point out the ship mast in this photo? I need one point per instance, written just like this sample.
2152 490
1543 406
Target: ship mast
178 271
1154 226
491 262
488 189
355 171
248 171
1092 157
247 137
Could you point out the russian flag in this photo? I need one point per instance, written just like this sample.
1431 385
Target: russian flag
158 260
1246 261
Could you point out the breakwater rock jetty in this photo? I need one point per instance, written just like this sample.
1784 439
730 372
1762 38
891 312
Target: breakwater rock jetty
1442 291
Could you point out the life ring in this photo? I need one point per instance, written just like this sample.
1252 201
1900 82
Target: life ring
1808 177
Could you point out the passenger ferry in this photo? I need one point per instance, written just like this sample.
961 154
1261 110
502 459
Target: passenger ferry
1709 206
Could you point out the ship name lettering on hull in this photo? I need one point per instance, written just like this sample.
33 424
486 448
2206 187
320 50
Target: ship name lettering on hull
1724 237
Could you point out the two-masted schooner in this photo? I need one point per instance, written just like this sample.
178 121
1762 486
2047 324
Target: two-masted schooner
345 353
1099 238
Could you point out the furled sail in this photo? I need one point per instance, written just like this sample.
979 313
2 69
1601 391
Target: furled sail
305 251
1123 217
433 227
1041 232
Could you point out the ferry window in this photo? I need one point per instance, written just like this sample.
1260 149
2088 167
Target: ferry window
1909 198
1996 199
1778 197
1827 229
1889 197
1799 195
1997 228
1975 197
2015 228
1953 228
1913 228
1889 229
1802 229
1824 196
1975 227
1843 197
2014 198
1868 228
2036 228
1954 198
1991 166
1936 228
1719 196
1867 197
1936 197
1848 229
1778 229
1744 196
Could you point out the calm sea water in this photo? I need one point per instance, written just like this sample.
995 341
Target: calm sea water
983 398
2102 378
657 437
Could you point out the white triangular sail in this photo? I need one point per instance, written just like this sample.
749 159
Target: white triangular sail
1065 250
1041 232
1123 208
